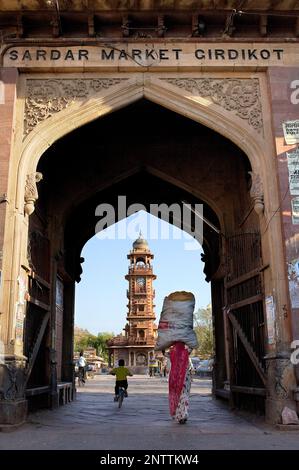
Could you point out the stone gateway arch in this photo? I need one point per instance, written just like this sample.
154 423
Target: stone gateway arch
163 104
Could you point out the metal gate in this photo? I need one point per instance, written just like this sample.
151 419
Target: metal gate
244 321
36 337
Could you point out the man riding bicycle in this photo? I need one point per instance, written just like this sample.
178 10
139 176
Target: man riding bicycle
121 374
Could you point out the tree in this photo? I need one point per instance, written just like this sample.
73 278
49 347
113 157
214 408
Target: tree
81 338
100 344
203 327
84 339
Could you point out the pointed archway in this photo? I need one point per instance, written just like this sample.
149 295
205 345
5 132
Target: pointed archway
168 96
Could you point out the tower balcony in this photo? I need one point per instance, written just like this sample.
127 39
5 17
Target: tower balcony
137 341
139 291
118 341
139 325
149 292
140 270
143 317
148 341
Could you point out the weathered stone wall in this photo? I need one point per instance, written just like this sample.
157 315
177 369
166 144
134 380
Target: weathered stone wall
8 79
284 108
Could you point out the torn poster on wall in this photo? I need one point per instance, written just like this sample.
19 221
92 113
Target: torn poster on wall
293 167
293 275
270 314
295 210
291 132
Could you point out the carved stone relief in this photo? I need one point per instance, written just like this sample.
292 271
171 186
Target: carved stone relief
31 194
257 192
240 96
45 97
11 381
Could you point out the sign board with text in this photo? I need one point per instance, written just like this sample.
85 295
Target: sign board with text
291 132
139 55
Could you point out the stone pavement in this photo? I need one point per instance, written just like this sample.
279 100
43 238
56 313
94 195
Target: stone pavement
93 421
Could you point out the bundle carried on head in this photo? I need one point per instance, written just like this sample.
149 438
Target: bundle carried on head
176 321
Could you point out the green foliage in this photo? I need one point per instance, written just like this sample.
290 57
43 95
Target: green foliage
203 327
100 344
84 339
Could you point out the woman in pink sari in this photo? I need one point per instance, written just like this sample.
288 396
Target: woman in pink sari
179 382
176 332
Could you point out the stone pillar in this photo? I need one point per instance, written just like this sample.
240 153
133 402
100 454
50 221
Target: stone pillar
150 356
280 386
68 333
8 78
13 404
54 398
115 357
8 285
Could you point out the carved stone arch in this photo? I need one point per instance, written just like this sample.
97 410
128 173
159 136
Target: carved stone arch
259 150
115 93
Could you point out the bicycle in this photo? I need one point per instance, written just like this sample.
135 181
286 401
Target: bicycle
81 381
121 396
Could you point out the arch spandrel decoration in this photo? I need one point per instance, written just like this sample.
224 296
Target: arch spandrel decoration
240 96
74 102
46 97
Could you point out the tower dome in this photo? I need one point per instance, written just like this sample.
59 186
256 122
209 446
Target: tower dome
140 243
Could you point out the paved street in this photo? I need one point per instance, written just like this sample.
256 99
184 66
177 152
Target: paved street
93 421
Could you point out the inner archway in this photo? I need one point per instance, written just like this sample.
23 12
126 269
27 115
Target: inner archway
150 155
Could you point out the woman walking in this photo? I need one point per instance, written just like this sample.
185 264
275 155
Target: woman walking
176 332
179 382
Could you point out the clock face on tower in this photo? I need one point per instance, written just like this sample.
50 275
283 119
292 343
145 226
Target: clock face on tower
140 282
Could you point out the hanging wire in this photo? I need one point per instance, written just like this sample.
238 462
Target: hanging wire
260 13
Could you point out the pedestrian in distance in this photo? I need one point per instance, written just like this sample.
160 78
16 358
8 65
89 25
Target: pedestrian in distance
82 366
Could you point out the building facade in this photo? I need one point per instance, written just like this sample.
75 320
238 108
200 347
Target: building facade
163 102
136 347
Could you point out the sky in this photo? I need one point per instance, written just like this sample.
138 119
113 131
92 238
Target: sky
101 295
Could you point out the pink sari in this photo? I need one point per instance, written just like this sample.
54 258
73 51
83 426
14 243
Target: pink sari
179 382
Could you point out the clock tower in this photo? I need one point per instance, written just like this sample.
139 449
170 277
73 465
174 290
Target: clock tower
136 346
